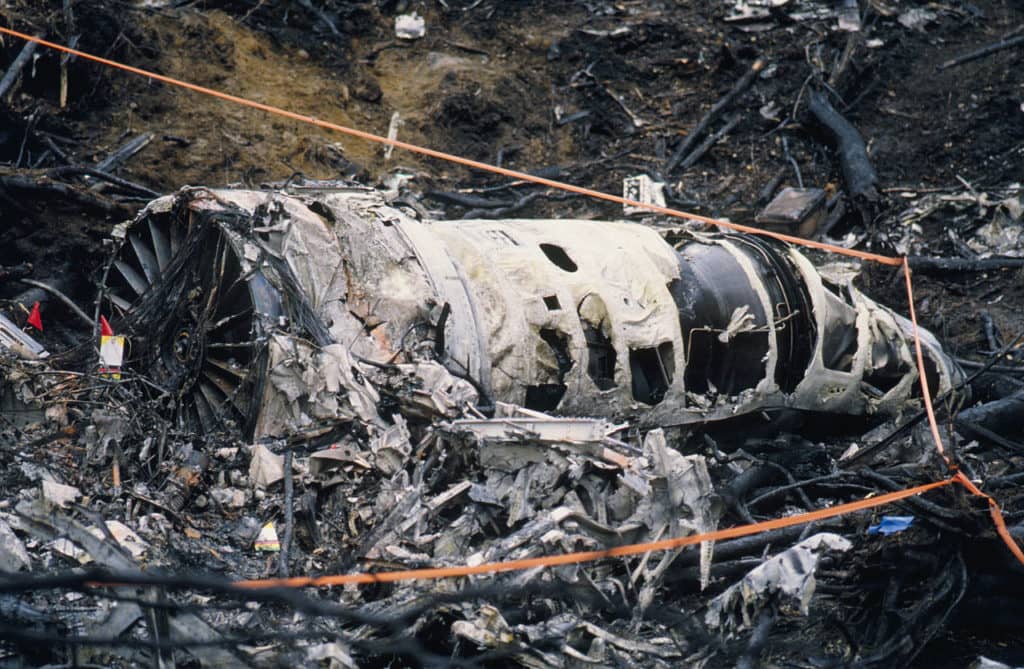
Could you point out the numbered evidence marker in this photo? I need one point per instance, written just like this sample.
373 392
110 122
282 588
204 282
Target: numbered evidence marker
111 356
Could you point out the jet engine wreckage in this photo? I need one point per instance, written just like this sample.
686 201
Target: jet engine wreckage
370 389
236 299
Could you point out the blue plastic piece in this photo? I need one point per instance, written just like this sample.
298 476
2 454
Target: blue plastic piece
891 525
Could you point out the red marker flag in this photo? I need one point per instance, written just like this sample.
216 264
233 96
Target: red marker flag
34 319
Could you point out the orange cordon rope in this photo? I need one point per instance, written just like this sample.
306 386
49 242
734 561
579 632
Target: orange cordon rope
993 507
922 378
621 551
590 556
997 516
579 190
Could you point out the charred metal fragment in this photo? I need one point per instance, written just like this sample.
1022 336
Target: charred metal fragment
14 340
239 296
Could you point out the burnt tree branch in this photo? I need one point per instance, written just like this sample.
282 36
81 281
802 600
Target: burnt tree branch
982 52
929 264
858 173
741 85
16 67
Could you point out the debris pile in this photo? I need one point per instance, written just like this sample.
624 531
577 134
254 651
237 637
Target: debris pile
243 439
454 420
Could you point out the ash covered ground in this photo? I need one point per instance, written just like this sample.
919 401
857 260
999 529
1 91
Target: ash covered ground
586 93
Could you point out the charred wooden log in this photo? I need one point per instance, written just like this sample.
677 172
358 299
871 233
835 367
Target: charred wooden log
858 173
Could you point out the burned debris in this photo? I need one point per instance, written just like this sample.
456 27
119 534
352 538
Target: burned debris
483 422
439 432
